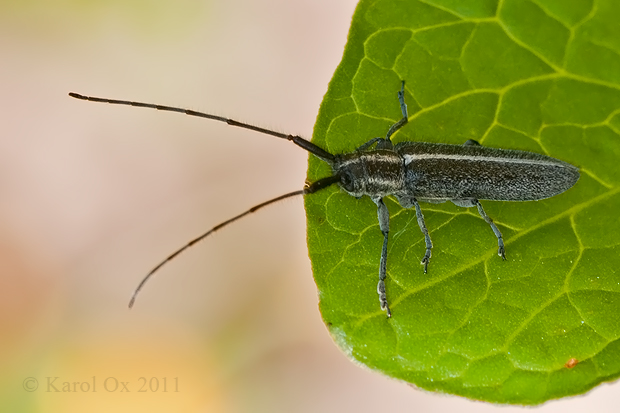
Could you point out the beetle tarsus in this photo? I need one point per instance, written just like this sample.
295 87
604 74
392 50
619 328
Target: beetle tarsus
425 260
383 298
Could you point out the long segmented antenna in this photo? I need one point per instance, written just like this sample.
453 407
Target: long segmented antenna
297 140
318 185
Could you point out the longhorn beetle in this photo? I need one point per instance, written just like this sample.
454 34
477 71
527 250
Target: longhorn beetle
412 172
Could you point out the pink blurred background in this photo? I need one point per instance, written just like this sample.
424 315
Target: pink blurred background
93 196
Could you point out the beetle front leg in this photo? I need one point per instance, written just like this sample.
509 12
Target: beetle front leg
403 108
384 224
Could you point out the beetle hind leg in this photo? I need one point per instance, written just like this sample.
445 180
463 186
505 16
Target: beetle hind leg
471 142
501 251
470 202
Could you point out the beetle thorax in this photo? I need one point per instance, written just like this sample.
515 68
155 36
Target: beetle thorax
376 173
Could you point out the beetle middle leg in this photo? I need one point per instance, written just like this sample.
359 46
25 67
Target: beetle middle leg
384 224
407 202
427 238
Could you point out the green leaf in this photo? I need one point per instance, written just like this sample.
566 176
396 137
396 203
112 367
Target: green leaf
540 75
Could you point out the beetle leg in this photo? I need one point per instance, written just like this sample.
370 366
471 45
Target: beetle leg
471 142
403 109
500 241
384 224
369 144
386 143
427 238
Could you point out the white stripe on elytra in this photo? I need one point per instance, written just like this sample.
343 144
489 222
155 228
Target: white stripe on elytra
418 157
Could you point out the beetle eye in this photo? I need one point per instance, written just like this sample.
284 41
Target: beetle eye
346 182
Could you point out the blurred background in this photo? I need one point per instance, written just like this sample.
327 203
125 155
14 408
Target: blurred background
92 196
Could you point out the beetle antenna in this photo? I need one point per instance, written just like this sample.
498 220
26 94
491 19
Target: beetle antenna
297 140
314 187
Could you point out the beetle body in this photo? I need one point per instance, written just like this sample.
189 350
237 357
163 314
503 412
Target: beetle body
437 172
